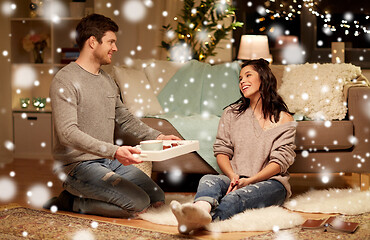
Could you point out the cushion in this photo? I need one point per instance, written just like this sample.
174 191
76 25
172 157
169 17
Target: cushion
316 90
136 91
160 72
138 64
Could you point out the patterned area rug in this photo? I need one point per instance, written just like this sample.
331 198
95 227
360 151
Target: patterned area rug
23 223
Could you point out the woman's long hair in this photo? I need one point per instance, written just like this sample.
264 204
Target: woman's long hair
272 103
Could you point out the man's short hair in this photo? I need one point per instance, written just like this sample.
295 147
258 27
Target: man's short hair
94 25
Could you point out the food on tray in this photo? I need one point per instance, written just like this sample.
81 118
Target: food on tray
170 145
166 147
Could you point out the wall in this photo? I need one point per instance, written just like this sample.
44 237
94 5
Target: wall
134 34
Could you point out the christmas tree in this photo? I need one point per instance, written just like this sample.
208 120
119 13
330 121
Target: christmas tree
199 29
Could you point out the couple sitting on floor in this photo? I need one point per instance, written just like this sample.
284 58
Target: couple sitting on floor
254 145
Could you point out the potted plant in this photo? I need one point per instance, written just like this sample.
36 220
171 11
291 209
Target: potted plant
37 44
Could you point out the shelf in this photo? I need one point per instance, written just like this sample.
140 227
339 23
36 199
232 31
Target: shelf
61 35
31 109
33 126
44 19
19 30
62 7
37 65
31 80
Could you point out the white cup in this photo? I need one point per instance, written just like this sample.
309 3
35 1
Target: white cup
151 145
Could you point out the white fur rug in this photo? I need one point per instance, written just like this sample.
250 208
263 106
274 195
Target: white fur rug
344 201
251 220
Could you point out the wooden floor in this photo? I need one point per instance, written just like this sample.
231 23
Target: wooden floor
26 173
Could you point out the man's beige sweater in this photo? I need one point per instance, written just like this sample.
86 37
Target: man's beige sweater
85 109
250 148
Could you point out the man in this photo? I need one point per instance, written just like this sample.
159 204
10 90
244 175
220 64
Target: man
100 178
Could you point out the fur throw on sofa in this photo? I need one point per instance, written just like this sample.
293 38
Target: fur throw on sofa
316 90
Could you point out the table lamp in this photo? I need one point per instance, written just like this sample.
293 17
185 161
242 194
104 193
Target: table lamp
254 47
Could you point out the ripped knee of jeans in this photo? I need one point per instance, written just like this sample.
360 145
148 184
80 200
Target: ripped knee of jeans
209 183
113 178
209 180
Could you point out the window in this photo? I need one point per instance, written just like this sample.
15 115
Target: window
272 26
344 27
315 34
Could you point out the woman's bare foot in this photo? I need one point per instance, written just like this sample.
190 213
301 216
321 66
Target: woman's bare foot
190 217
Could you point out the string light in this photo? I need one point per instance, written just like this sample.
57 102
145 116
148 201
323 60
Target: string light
289 11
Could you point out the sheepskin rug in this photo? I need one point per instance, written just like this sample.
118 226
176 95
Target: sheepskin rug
251 220
342 201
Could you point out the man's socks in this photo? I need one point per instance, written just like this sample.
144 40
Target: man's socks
63 202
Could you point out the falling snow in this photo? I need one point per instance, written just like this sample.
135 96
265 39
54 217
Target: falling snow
134 11
83 235
38 195
94 224
54 209
9 145
8 189
293 54
175 175
26 78
7 8
181 53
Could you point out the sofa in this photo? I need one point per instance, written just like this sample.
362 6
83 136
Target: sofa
333 131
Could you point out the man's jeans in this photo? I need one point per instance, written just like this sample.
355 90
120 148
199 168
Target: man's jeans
212 189
108 188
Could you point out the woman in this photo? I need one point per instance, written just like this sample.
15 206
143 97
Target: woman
254 148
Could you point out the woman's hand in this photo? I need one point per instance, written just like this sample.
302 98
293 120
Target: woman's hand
244 182
233 184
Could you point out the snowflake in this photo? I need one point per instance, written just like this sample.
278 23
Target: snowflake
134 11
83 235
38 195
175 175
8 189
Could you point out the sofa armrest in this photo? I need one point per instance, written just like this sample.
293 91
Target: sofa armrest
359 113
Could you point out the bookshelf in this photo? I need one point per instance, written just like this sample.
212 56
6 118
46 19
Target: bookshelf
32 126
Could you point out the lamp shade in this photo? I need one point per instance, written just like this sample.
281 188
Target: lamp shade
254 47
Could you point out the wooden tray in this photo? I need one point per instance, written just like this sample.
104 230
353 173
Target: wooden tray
183 147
